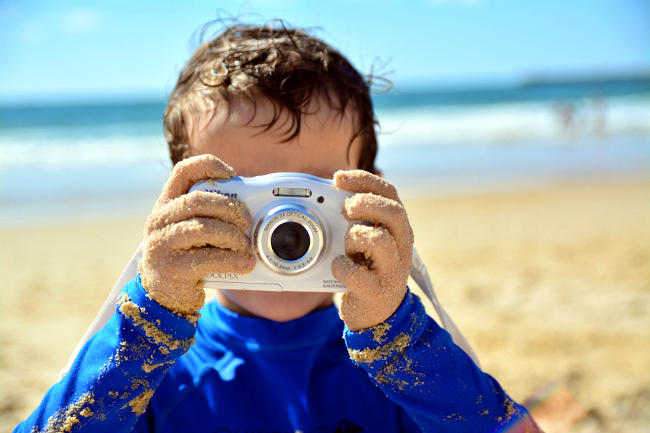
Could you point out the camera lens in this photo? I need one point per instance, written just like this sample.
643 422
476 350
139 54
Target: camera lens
290 241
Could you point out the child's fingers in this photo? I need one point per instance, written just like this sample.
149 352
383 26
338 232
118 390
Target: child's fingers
361 181
200 232
381 210
371 299
200 204
375 244
191 170
357 278
199 262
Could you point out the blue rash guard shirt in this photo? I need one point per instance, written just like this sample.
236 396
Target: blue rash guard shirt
149 370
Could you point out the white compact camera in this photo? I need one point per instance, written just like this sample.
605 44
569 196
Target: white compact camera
297 229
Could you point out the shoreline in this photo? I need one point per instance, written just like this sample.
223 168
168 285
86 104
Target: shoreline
127 185
550 284
92 208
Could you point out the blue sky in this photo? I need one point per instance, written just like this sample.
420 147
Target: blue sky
73 49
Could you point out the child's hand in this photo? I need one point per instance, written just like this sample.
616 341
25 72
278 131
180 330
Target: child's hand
377 263
188 236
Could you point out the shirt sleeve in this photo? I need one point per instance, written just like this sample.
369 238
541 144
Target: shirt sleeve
417 365
117 371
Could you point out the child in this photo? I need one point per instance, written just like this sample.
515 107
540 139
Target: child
269 100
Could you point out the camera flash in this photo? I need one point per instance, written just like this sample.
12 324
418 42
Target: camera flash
292 192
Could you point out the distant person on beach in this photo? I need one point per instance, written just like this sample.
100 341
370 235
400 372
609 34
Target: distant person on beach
598 106
565 112
256 100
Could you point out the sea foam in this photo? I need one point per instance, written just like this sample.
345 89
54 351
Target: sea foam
514 123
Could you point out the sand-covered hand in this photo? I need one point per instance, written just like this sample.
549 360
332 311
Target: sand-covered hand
189 235
377 262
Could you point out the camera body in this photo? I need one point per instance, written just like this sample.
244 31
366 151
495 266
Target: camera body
297 229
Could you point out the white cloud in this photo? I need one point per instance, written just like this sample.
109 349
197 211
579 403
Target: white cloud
79 21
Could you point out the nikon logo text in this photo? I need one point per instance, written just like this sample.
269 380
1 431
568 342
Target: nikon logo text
227 194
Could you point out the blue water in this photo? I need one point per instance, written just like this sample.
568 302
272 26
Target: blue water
69 163
526 92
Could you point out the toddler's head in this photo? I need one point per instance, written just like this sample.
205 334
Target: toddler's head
292 72
269 99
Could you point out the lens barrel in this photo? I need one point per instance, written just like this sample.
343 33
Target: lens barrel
289 239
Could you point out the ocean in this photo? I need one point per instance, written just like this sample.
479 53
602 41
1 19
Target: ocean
68 163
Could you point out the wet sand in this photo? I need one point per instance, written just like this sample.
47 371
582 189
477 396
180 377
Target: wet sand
551 286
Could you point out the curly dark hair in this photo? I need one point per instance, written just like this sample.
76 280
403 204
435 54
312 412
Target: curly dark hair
286 65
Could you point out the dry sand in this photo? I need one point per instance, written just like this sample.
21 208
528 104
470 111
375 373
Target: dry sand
551 287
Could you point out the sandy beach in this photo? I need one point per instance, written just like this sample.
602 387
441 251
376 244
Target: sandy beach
550 285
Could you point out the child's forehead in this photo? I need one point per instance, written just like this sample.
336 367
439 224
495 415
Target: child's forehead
244 115
239 134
